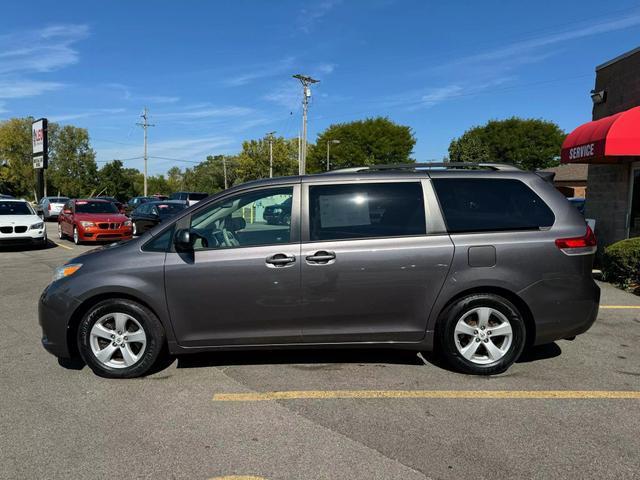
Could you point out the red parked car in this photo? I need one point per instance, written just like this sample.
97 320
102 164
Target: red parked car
93 220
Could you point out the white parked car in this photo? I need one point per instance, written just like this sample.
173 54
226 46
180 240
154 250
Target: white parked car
19 224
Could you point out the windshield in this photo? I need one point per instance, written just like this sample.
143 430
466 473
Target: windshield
15 208
168 209
95 207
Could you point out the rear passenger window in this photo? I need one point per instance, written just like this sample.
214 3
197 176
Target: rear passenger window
366 210
481 205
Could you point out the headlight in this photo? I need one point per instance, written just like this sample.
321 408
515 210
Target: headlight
37 226
87 224
66 270
127 223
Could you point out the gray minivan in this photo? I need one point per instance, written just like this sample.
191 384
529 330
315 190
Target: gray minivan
478 260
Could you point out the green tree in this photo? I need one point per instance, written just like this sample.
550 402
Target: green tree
175 179
530 144
253 161
116 181
72 166
208 176
364 142
17 175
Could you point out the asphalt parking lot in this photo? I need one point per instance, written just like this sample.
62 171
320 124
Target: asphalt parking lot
345 414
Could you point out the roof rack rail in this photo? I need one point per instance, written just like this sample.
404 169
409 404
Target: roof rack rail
422 166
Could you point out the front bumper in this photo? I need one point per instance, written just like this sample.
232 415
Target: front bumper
55 310
96 234
30 237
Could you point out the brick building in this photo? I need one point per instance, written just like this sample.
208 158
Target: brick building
570 179
610 145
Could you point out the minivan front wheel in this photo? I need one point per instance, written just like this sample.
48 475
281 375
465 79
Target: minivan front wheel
119 338
482 334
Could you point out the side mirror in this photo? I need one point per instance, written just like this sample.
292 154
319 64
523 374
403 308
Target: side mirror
182 240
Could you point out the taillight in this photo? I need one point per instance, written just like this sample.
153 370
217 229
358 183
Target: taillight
49 207
578 245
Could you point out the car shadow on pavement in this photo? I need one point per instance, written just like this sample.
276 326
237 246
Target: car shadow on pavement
295 356
27 247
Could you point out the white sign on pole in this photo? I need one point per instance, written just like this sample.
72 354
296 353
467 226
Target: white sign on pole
38 161
38 136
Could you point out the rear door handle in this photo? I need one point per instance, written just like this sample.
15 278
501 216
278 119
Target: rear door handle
280 260
321 256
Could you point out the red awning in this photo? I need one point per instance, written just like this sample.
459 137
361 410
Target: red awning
601 141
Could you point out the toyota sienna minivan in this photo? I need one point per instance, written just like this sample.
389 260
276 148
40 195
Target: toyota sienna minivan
478 261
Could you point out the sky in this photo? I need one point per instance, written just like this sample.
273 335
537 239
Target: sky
216 73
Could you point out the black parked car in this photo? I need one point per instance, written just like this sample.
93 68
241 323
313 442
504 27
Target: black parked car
135 202
149 214
278 214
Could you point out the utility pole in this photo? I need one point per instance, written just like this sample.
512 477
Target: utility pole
329 142
270 135
224 170
306 95
145 123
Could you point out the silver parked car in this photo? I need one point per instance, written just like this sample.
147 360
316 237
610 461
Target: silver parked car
480 260
50 207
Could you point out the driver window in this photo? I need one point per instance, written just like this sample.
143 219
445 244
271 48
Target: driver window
260 217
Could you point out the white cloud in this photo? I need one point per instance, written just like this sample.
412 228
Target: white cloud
439 95
309 17
65 117
19 88
191 149
26 53
260 71
40 50
515 51
204 112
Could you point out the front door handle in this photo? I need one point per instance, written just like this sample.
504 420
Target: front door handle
321 256
280 260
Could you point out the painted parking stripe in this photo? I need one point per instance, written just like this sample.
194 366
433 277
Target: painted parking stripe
444 394
63 246
238 477
620 307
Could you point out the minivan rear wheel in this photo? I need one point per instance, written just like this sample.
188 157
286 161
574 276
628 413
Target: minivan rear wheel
119 338
481 334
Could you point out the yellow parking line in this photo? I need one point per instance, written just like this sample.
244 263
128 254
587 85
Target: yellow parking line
457 394
619 307
63 246
238 477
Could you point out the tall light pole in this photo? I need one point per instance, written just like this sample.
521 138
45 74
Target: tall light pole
270 135
145 124
306 95
329 142
224 170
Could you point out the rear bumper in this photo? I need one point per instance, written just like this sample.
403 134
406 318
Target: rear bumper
562 310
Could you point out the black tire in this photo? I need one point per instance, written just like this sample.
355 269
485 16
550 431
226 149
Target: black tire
155 338
446 336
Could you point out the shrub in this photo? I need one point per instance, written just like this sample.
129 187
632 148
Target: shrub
621 262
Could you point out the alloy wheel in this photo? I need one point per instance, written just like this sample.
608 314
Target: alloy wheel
117 340
483 335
